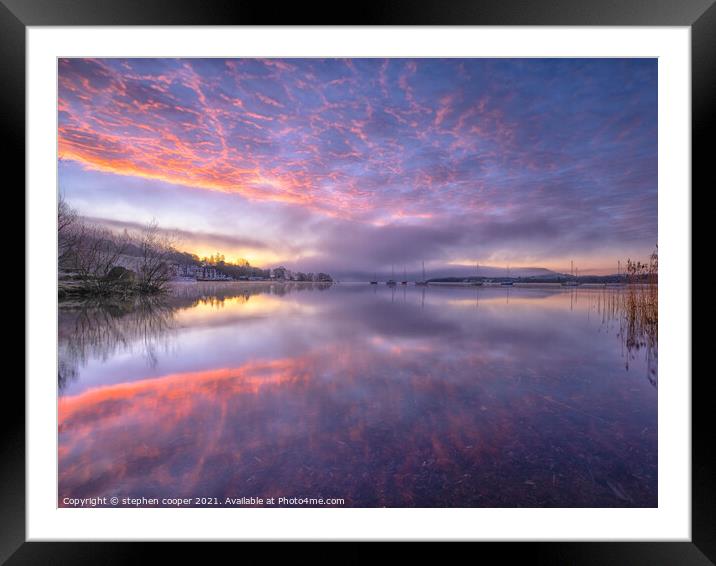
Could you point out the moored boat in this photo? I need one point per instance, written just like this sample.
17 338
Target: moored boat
391 282
423 281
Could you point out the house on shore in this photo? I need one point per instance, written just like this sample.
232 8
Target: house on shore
202 272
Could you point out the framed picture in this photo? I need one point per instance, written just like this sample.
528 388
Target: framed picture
292 277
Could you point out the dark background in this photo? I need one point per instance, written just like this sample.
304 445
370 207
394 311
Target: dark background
15 15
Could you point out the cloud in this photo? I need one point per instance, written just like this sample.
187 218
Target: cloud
220 241
381 161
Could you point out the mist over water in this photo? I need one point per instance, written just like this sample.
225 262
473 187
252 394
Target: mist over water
404 396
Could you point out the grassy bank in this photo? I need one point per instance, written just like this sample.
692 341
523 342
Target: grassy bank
119 283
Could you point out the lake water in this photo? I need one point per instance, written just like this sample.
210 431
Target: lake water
379 396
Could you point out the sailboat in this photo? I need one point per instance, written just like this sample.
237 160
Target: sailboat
423 281
476 282
391 282
375 280
571 282
405 277
509 282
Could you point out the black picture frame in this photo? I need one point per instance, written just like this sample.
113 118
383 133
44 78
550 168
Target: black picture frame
699 15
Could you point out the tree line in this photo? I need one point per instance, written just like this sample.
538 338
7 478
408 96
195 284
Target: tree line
236 269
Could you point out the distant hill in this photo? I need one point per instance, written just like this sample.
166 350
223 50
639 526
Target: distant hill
448 271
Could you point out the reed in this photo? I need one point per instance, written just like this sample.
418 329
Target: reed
641 301
636 310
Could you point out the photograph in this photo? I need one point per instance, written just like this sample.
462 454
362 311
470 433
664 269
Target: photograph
357 282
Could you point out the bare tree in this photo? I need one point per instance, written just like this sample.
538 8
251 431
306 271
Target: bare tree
66 216
97 253
156 247
69 229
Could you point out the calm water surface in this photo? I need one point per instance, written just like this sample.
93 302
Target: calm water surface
450 397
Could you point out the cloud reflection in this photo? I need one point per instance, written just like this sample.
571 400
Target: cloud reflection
379 401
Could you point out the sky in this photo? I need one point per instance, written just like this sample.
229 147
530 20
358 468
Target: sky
357 165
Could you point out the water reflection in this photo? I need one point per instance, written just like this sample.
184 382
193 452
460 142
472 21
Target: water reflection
414 397
100 330
635 312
